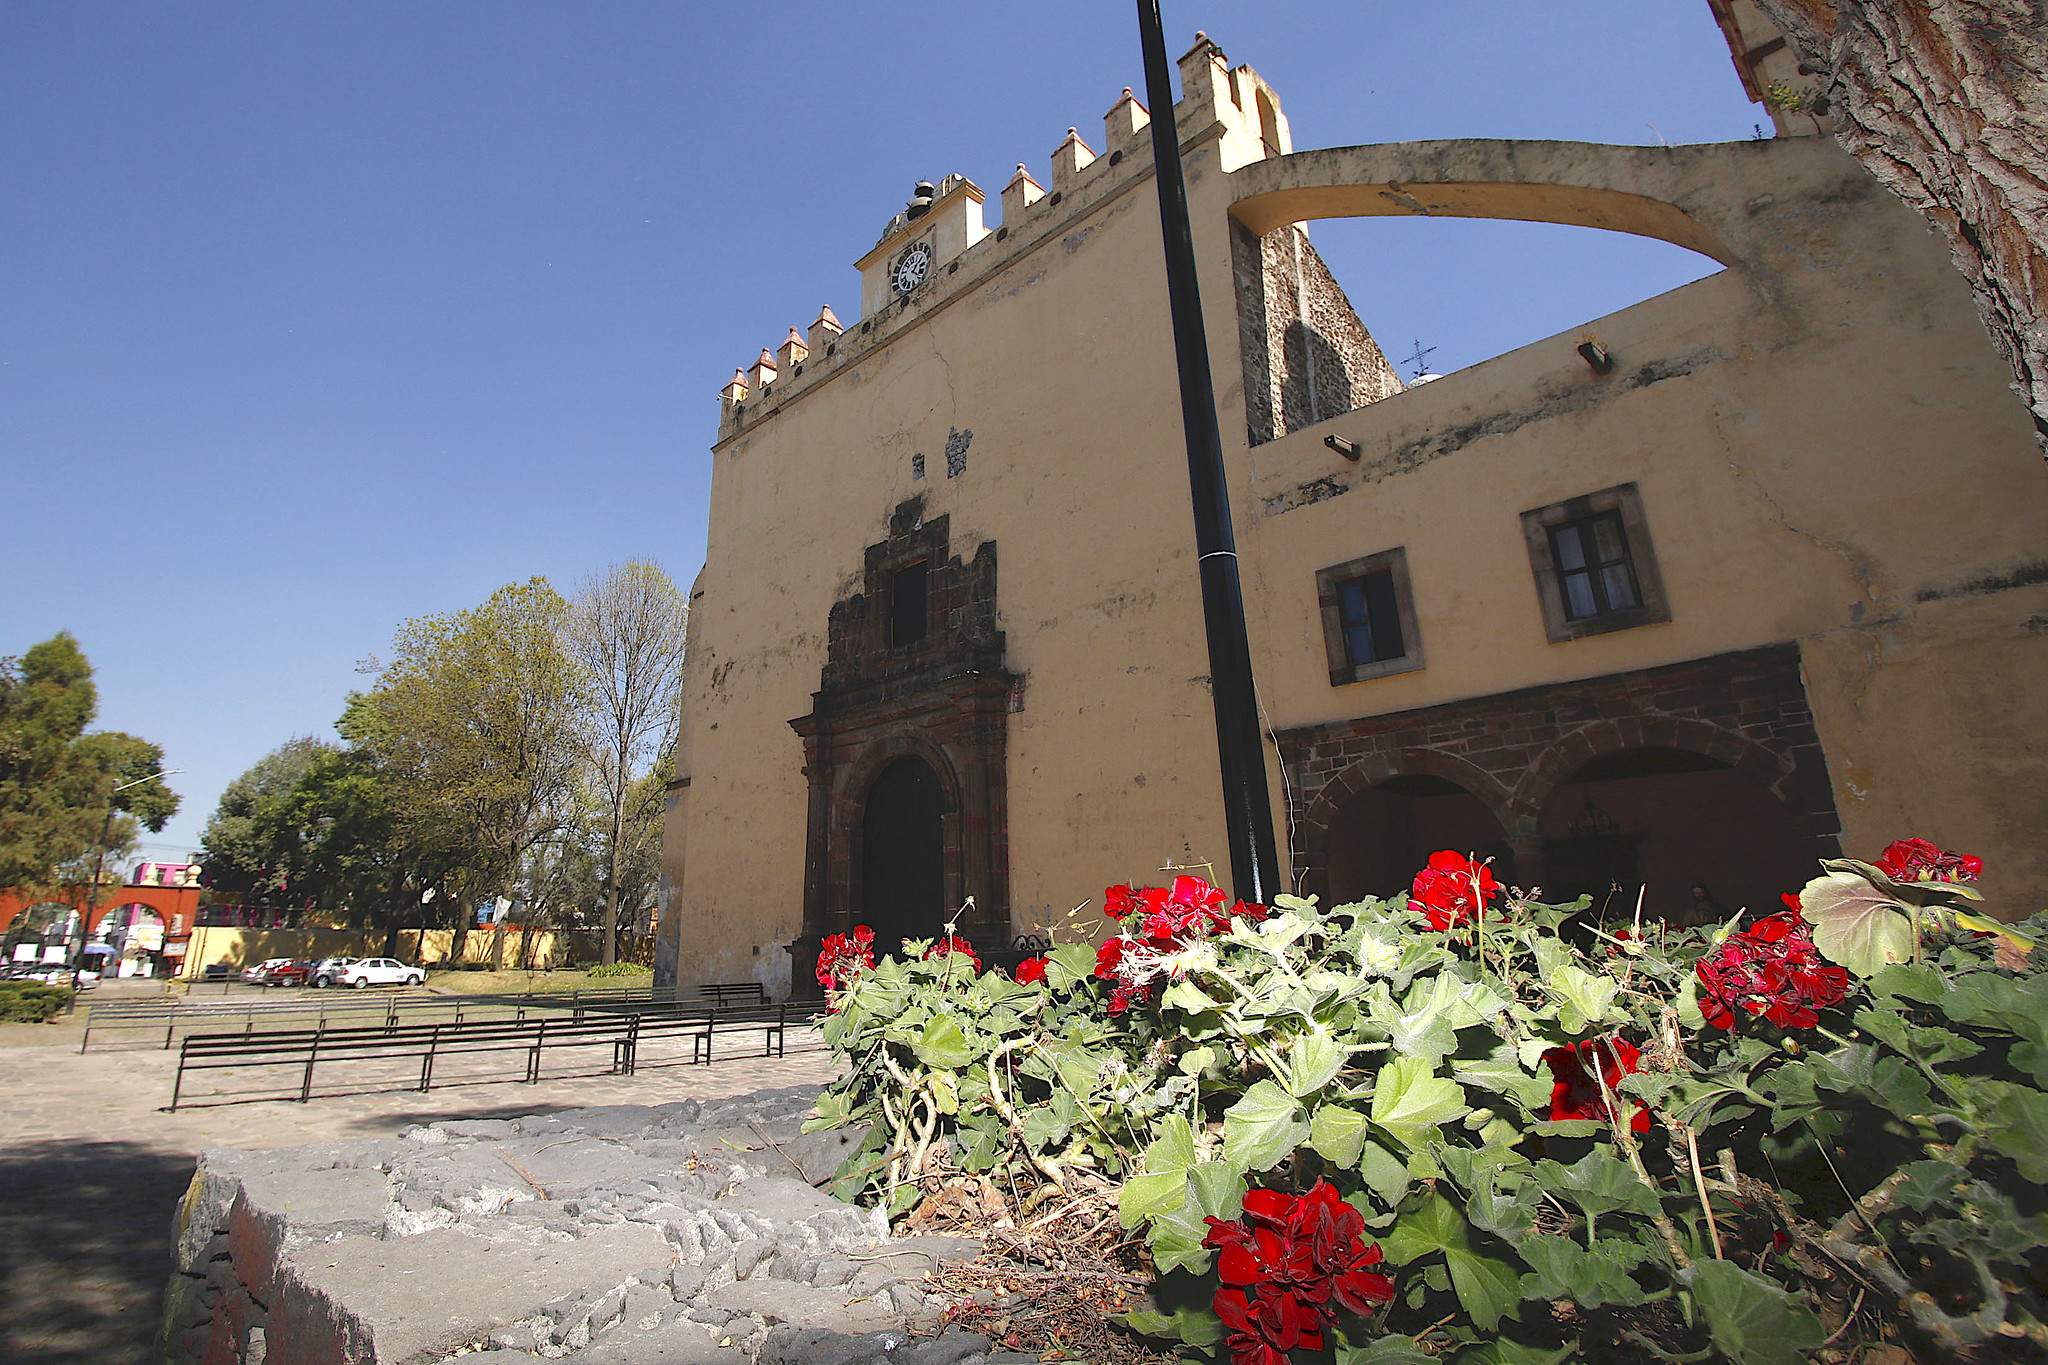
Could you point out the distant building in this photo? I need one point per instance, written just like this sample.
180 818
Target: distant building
1741 576
136 928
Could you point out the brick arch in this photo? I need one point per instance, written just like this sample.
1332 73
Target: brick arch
1312 834
1373 769
1553 766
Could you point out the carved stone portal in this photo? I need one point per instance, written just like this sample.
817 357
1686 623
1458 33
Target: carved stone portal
907 728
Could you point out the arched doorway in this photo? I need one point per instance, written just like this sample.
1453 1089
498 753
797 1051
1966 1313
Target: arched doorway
133 935
1382 836
1662 821
903 854
44 932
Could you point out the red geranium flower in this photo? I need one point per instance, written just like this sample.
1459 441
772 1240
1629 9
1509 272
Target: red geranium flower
1773 970
1577 1094
1916 860
841 955
1453 889
1031 969
1294 1255
1160 923
946 947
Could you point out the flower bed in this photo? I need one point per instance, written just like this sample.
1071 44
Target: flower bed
1464 1125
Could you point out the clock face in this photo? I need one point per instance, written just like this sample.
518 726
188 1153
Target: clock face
910 268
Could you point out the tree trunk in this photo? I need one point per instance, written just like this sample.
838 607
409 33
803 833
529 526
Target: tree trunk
1946 102
611 880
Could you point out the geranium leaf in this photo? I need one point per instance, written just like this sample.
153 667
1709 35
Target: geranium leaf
1753 1321
1590 995
1386 1351
1217 1188
1596 1182
1488 1289
942 1044
1909 889
1433 1225
1261 1128
1163 1185
1410 1101
1197 1327
1311 1062
1175 1238
2022 1114
1855 923
1068 964
1502 1351
1504 1074
1564 1269
1187 996
1383 1173
1337 1133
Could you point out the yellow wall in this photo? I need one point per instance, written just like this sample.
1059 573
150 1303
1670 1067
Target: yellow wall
429 947
1838 446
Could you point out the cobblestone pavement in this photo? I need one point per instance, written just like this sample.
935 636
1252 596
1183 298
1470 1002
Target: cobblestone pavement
91 1168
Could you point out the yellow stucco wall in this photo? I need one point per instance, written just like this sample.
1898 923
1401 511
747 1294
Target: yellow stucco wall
1834 444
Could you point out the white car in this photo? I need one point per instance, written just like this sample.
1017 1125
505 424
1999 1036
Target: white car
379 971
327 971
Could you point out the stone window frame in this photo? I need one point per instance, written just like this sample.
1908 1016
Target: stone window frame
1537 524
1342 671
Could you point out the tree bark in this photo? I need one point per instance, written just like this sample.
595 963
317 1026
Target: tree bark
1946 102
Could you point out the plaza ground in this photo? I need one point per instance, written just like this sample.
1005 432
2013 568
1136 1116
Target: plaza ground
91 1168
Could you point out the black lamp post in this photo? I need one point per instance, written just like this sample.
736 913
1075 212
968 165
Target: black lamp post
1240 745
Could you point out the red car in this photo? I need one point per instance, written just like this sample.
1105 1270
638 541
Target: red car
294 973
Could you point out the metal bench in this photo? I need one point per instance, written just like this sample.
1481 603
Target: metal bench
734 992
211 1052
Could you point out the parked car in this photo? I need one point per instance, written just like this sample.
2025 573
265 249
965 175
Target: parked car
217 971
379 971
296 972
259 974
327 971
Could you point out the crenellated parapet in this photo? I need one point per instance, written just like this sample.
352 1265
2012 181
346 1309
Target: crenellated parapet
938 248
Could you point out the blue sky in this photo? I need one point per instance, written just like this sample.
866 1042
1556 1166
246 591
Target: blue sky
314 318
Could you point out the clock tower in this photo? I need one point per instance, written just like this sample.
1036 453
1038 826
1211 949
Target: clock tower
938 223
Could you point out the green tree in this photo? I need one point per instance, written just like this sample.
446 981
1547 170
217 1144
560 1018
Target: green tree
59 803
627 629
473 730
250 841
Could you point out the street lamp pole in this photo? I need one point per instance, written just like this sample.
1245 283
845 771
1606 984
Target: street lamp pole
99 865
1240 743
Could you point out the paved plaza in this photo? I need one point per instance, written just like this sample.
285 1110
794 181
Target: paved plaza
91 1168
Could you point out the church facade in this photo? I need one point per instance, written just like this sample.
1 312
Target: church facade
1744 575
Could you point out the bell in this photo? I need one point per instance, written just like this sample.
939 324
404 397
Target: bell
921 196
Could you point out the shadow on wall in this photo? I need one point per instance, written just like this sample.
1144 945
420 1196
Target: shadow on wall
84 1250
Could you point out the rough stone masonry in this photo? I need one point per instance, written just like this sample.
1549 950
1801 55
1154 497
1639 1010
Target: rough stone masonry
624 1235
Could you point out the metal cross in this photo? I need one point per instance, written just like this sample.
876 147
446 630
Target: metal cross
1421 355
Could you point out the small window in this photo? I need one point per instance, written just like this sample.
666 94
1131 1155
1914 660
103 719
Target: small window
907 603
1368 618
1594 568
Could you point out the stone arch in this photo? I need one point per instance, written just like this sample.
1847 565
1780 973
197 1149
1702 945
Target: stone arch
1555 764
1374 769
45 923
867 769
1621 189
